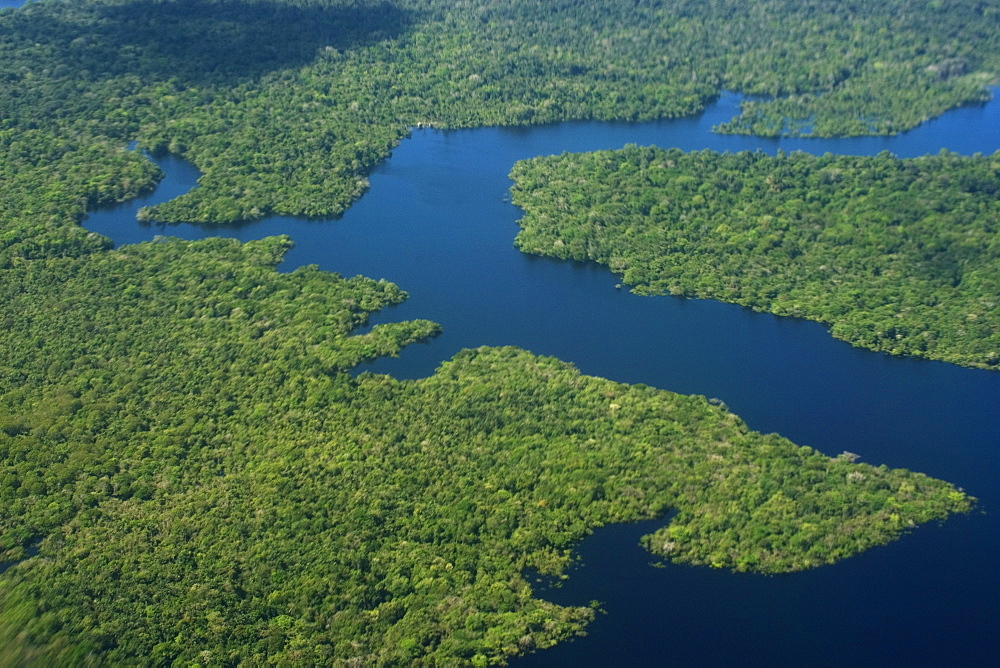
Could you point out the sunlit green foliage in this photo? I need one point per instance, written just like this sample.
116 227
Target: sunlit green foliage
286 105
179 433
295 515
207 483
894 255
48 183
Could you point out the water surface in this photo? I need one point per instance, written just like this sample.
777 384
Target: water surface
438 222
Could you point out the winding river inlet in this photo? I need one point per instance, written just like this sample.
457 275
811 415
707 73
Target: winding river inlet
437 221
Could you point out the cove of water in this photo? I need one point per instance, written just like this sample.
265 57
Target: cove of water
437 221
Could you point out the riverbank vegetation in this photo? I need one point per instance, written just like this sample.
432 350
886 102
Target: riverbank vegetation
207 491
286 105
893 255
205 481
180 438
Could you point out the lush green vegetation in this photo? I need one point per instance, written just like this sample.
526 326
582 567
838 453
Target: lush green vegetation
207 492
179 434
894 255
286 105
206 483
47 184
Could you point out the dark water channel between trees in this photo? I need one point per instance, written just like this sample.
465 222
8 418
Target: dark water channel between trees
437 221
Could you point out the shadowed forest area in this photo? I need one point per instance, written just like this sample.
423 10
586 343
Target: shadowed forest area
197 42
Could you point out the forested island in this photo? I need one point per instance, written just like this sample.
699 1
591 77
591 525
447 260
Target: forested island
893 255
180 437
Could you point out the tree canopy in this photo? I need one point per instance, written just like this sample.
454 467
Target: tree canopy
287 105
893 255
188 471
204 481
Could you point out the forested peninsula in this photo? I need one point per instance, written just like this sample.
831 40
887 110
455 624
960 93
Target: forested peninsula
205 483
893 255
189 472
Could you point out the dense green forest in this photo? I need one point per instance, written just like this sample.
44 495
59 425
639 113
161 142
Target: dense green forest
287 105
893 255
207 484
180 437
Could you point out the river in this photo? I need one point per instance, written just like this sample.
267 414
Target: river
438 222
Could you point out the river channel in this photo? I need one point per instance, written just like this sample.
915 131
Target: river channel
437 221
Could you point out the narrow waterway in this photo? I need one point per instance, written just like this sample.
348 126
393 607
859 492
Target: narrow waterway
437 221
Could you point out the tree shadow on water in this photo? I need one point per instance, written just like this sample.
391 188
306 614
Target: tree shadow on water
206 41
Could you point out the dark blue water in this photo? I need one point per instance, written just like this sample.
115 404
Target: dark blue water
438 223
6 565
